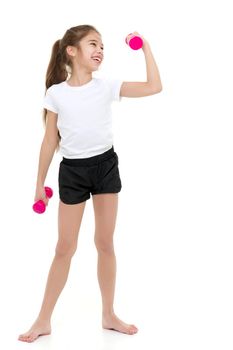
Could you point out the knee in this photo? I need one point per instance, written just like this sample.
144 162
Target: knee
104 246
65 249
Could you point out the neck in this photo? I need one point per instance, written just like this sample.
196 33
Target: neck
80 78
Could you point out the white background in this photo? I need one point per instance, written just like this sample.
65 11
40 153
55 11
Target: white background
173 237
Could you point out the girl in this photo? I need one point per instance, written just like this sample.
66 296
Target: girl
77 116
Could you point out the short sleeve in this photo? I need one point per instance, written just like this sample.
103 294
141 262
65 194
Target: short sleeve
115 87
49 101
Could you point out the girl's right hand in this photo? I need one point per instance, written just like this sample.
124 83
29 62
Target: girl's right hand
41 195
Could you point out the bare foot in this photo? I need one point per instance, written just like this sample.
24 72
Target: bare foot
38 328
114 323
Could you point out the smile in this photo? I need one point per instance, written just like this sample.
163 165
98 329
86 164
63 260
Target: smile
97 59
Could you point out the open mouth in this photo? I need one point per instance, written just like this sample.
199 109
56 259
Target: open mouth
96 59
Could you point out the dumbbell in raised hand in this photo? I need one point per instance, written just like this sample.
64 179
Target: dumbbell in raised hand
39 206
135 42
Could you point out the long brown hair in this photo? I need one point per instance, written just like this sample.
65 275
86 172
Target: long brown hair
60 64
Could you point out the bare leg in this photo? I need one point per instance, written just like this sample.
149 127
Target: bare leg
105 206
69 221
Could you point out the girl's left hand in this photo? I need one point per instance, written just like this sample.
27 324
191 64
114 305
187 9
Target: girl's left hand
136 33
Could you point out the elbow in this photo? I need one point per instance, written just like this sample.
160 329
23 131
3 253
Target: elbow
157 89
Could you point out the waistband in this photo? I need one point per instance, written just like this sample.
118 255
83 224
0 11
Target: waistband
89 161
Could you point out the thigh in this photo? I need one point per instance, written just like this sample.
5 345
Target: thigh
105 209
69 222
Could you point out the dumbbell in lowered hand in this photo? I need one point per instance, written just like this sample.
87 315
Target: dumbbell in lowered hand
39 206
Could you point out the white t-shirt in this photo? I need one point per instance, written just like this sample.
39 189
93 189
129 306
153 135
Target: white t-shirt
84 115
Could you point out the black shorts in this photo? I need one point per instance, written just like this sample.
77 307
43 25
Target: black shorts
79 177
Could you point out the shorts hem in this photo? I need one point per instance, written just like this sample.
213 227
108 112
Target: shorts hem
102 192
74 202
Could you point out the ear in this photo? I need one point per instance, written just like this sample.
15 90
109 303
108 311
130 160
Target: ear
71 50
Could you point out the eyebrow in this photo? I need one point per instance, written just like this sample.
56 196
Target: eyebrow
95 41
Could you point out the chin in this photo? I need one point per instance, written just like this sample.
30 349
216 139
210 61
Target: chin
94 69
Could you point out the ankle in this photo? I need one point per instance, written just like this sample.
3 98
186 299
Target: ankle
107 313
43 319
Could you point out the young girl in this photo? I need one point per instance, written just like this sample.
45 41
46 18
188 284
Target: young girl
77 115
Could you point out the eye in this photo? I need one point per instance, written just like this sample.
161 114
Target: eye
95 45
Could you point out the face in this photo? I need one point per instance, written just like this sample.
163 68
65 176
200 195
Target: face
90 55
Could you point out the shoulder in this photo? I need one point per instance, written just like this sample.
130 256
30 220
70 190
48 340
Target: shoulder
111 86
55 90
56 87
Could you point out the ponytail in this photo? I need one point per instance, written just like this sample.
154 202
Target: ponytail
56 71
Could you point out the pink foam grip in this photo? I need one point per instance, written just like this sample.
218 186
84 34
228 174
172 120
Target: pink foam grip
136 43
39 207
48 191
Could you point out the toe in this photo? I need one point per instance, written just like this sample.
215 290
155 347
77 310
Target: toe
133 329
22 337
32 337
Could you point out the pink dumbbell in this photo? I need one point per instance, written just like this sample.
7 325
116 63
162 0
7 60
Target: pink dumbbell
39 206
134 41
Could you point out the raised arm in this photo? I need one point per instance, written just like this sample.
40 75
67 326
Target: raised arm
153 84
